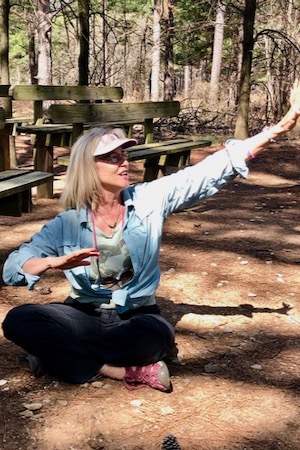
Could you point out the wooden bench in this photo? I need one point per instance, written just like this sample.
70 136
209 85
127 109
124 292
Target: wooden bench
45 136
40 93
8 132
15 190
15 185
3 146
175 153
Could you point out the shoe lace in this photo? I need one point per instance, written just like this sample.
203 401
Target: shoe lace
137 378
140 377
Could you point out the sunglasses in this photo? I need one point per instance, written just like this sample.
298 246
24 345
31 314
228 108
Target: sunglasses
113 157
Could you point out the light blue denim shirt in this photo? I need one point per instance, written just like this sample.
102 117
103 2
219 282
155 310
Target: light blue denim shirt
147 207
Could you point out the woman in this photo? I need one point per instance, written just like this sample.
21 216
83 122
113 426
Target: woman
107 243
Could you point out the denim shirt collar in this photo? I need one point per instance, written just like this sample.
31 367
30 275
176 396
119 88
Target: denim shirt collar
127 198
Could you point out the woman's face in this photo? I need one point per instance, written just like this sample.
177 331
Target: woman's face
112 170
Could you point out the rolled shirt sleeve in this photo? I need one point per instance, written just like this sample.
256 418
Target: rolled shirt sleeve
44 243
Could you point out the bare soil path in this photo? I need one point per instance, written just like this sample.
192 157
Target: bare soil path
230 284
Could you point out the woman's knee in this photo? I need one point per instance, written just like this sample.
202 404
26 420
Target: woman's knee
156 331
18 319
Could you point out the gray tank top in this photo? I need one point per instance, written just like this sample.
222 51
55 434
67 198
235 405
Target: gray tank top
114 265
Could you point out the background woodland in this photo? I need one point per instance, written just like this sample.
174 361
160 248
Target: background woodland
230 63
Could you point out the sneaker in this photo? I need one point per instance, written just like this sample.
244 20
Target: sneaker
154 375
35 365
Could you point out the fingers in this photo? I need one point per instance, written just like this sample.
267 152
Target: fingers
75 259
85 253
78 258
295 95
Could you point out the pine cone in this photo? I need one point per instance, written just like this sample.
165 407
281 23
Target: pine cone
170 443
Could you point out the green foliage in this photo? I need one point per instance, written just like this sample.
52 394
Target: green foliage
193 42
18 42
129 37
130 6
123 6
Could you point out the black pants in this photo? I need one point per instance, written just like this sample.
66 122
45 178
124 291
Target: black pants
73 342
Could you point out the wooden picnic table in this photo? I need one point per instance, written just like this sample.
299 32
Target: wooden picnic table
47 136
8 132
38 94
172 151
15 185
15 190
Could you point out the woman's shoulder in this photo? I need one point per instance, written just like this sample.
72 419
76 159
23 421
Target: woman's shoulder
72 216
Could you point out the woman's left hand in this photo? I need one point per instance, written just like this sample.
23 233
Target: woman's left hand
295 97
288 122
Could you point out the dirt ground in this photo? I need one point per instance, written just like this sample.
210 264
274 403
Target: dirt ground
230 284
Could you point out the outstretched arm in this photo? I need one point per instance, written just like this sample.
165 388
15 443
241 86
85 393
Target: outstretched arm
260 141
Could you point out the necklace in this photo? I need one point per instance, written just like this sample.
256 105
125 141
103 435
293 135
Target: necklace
112 227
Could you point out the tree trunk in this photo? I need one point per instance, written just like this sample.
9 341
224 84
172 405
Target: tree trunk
241 127
84 35
44 75
217 52
33 69
104 43
169 51
4 52
270 87
155 71
187 80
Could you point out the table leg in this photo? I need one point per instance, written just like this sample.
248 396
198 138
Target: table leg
4 152
43 161
151 168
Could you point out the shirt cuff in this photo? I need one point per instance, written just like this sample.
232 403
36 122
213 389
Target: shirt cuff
238 153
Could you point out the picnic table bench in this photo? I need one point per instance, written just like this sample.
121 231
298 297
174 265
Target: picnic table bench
175 153
15 190
8 134
16 185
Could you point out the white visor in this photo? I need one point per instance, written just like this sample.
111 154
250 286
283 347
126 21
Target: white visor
110 142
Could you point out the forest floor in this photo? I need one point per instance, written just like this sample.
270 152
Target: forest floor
230 285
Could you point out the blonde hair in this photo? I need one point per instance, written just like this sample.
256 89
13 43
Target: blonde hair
82 184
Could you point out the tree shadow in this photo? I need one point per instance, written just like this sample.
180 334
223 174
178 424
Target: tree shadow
223 223
234 363
245 309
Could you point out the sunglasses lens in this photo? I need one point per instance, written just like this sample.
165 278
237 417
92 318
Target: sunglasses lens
114 157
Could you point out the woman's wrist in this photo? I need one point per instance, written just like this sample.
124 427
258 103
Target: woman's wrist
269 134
274 132
49 262
37 266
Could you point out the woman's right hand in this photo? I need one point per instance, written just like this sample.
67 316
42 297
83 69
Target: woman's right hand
36 266
74 259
